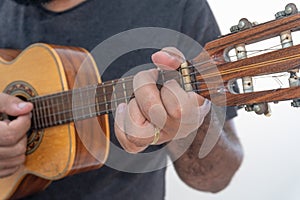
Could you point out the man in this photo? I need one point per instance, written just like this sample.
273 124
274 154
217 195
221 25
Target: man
157 116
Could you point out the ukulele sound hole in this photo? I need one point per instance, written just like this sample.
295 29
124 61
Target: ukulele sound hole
25 91
34 138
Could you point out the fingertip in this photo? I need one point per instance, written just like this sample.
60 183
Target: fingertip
166 61
24 107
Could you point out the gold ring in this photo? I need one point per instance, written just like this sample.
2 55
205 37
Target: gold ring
156 136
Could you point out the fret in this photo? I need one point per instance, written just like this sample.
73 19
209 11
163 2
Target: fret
105 98
48 111
81 101
63 108
35 115
44 113
69 104
97 106
162 73
58 112
53 110
91 101
87 103
40 108
124 90
115 98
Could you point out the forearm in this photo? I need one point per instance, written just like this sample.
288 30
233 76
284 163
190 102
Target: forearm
214 171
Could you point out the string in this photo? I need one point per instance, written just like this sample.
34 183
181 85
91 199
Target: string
111 102
83 107
129 79
44 108
254 52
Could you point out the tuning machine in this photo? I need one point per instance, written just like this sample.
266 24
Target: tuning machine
294 81
248 86
287 41
247 82
243 24
290 9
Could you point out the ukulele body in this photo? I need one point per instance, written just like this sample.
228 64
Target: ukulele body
58 151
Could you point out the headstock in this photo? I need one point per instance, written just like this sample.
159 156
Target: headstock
220 70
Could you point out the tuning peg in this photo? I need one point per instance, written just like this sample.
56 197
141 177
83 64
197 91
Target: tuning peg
286 39
262 108
294 81
243 24
290 9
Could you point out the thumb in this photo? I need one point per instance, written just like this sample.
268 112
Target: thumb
14 106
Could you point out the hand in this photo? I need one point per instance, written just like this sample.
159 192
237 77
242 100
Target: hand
158 116
13 137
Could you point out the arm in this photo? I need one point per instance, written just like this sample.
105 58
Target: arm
182 117
213 172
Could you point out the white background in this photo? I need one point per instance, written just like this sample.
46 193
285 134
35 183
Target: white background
271 167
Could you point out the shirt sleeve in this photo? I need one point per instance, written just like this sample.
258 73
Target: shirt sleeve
199 22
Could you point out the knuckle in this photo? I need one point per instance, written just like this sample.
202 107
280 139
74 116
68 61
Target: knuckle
148 103
176 112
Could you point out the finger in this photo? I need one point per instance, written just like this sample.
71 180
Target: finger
185 109
134 125
8 171
126 144
168 58
178 103
13 106
12 162
9 152
120 131
12 132
148 97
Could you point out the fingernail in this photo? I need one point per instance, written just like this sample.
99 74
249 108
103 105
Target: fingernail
22 105
173 54
167 54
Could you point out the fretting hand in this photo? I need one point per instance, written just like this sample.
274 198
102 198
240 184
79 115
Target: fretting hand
157 116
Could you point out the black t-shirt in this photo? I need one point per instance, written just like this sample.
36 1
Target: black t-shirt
88 25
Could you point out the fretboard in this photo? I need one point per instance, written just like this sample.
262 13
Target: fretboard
87 102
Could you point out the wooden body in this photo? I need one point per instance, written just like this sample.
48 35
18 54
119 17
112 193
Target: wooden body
65 149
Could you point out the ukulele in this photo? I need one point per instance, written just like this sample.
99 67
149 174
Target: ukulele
66 120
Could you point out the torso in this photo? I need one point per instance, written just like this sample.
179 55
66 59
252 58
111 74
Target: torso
86 24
